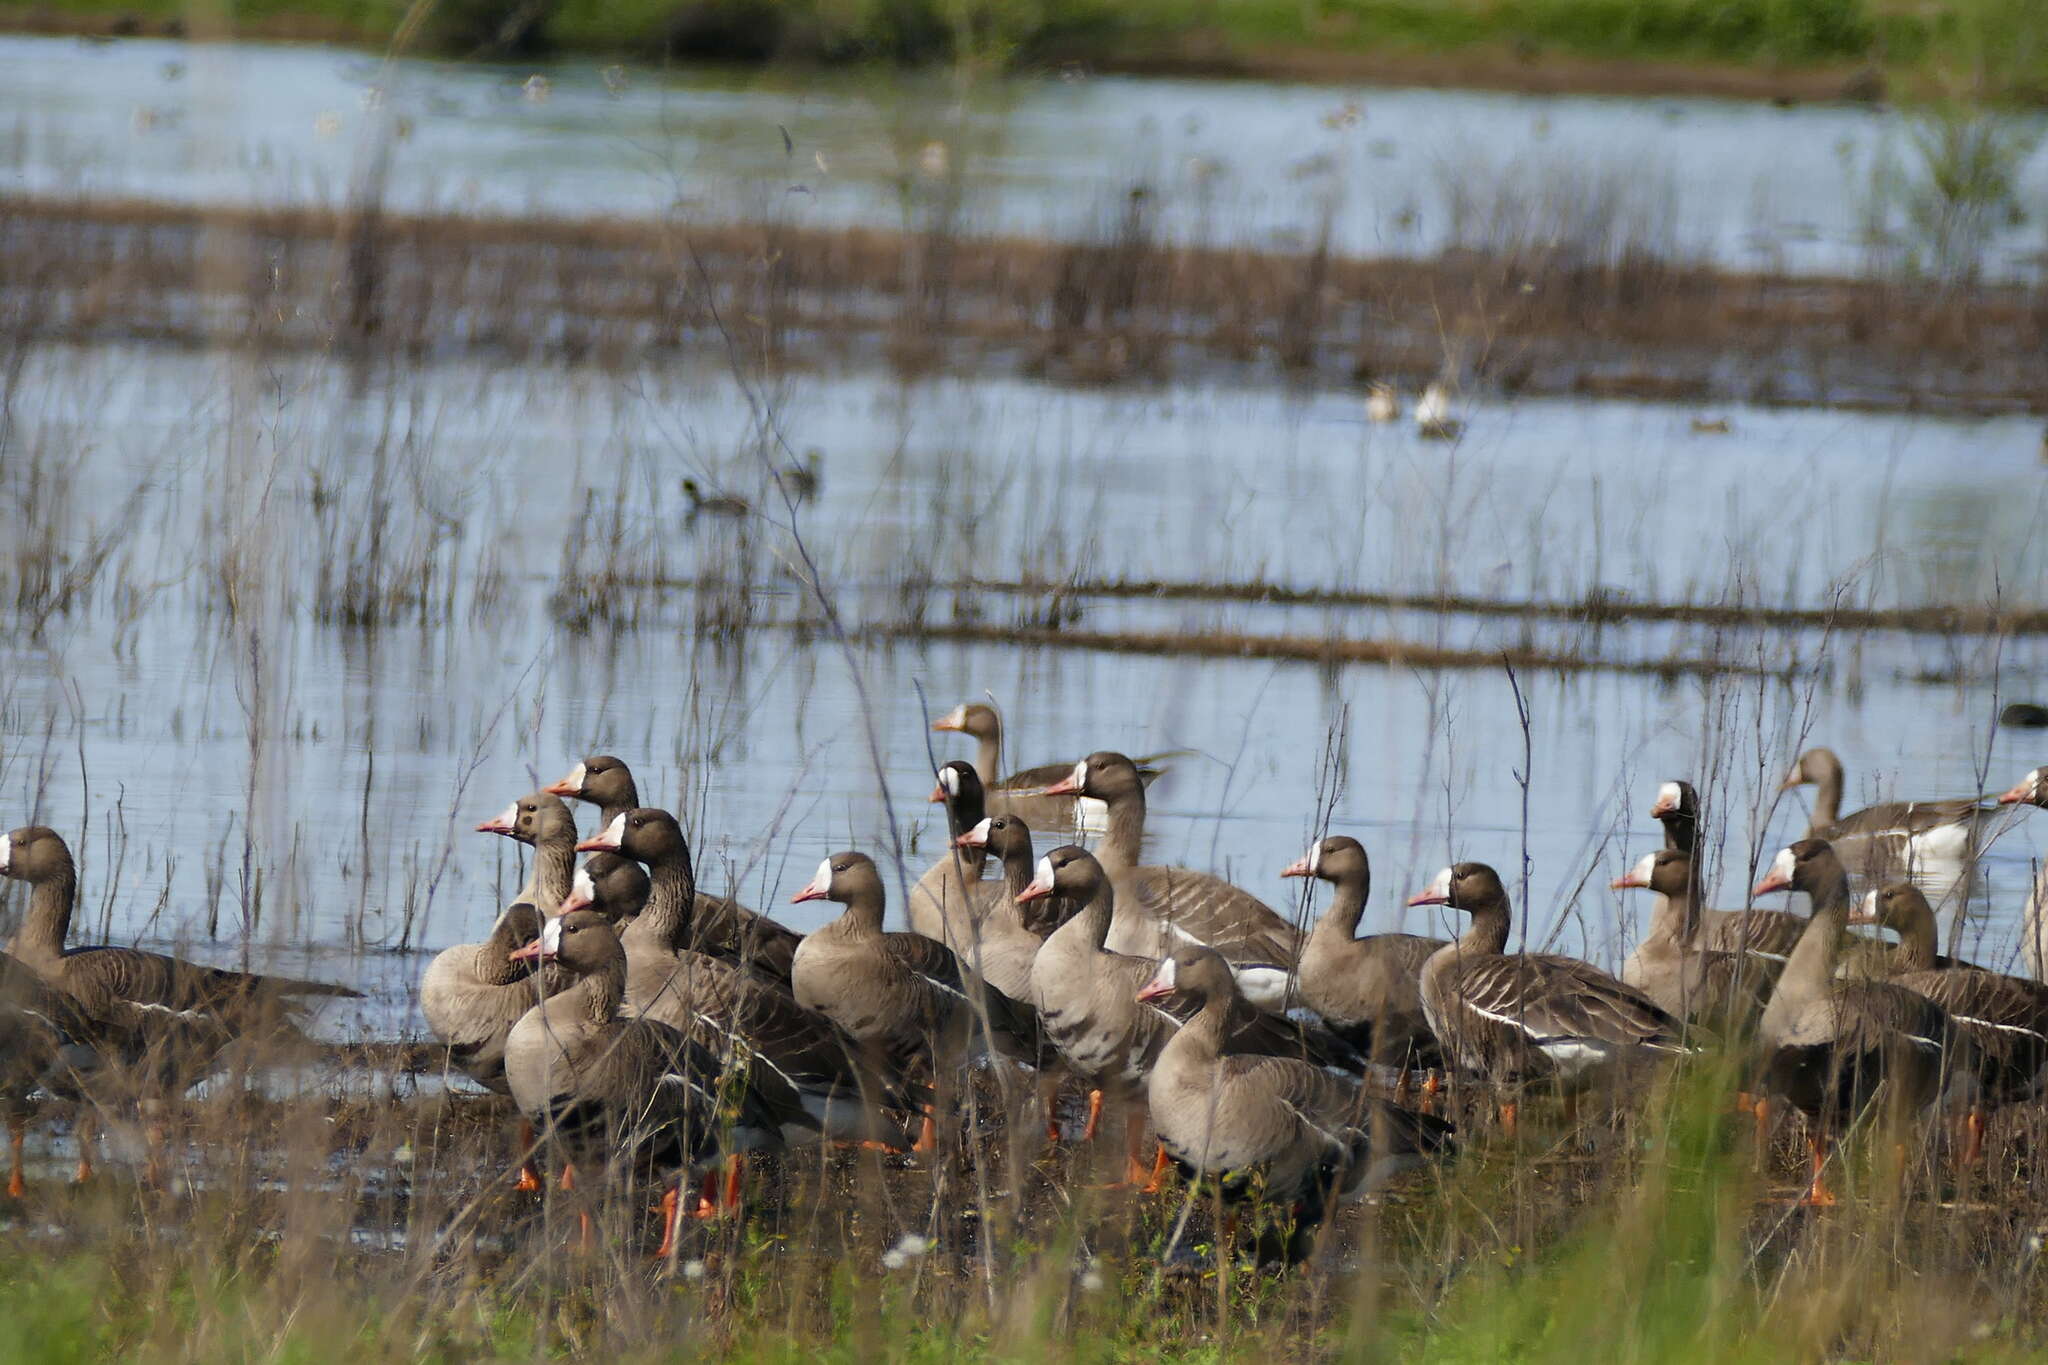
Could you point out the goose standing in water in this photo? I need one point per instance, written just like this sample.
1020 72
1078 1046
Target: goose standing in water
1276 1128
1934 842
1172 907
1514 1016
1434 420
1023 793
2006 1017
163 1020
44 1046
1831 1046
619 1094
1367 989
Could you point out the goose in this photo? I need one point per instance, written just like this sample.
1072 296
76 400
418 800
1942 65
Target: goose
1829 1045
1023 792
719 925
1382 403
1768 934
1671 965
163 1020
44 1047
951 897
901 996
1511 1016
473 993
615 887
1087 1002
2031 790
1935 839
608 1091
1007 935
1270 1127
2006 1017
712 504
1169 907
722 1005
544 824
1433 419
1368 989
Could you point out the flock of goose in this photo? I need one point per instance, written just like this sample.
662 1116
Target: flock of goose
641 1025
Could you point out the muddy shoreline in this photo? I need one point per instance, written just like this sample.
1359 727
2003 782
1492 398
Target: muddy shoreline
372 284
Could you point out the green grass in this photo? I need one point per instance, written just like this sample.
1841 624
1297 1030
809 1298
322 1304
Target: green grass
1995 49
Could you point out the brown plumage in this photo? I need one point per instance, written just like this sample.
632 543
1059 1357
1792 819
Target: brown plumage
1021 793
1369 990
2006 1017
903 995
1528 1014
608 1091
1894 838
544 824
726 1008
719 925
165 1016
473 993
1725 991
1771 934
1170 907
952 897
1268 1127
1828 1045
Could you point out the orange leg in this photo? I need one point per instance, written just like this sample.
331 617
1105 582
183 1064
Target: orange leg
85 1134
17 1132
1508 1111
1048 1101
710 1204
1973 1147
529 1175
671 1206
1432 1085
1763 1125
1136 1170
1403 1086
1160 1166
586 1237
1094 1116
568 1176
927 1134
1817 1193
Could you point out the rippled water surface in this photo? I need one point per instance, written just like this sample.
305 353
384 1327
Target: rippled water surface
1396 172
212 481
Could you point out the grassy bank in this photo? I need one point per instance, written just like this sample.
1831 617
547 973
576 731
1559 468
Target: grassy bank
1797 49
1648 1235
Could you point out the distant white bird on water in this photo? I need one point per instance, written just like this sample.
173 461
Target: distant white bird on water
1382 403
1433 419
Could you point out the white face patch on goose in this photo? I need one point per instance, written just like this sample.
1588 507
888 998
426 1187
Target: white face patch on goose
551 936
581 889
6 854
508 817
1081 773
957 717
979 834
950 780
1042 875
1869 905
1165 975
821 881
1644 868
578 775
1669 797
1315 858
1782 865
614 834
1440 884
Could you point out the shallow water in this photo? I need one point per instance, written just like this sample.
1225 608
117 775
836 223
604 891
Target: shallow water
130 718
1397 172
